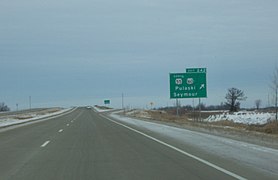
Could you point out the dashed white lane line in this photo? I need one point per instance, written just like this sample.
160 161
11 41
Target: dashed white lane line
61 130
45 144
67 124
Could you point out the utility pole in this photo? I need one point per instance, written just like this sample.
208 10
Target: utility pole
276 99
193 109
268 102
122 100
30 102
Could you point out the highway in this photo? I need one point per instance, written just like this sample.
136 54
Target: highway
85 145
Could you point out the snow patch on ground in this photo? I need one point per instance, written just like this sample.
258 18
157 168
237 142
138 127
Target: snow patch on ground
138 113
244 117
102 110
19 119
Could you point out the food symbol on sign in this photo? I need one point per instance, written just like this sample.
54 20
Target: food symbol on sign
178 81
190 80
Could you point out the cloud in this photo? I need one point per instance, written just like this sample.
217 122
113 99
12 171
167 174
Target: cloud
134 45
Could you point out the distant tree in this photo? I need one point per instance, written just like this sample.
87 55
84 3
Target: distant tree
201 106
212 107
222 106
188 108
4 107
233 97
274 87
258 103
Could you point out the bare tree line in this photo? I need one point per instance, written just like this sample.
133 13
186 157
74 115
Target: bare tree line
4 107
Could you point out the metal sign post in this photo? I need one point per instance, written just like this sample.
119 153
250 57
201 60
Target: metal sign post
177 104
200 115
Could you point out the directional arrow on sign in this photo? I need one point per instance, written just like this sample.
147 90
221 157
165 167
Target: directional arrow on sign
202 86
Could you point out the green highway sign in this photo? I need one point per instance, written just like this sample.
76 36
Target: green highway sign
188 85
196 70
106 101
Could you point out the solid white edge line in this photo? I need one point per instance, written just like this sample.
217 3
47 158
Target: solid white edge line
45 144
179 150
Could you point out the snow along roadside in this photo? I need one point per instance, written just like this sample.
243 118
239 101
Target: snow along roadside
11 122
261 158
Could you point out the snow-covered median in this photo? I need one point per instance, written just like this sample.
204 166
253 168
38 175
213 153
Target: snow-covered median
26 117
244 117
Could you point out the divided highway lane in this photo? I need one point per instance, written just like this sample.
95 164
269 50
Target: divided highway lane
84 145
21 144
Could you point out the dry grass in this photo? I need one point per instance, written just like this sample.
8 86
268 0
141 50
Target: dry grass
38 113
23 117
269 128
102 107
191 118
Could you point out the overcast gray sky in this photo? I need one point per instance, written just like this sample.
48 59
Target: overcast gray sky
80 52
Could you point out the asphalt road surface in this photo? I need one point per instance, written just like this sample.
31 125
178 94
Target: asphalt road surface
84 145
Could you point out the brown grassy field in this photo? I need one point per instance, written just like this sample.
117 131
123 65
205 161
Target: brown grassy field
194 119
37 113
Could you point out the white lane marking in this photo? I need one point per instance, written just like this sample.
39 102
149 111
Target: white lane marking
77 116
61 130
67 124
36 121
180 151
45 144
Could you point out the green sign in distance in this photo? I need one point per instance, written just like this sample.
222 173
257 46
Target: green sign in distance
106 101
188 85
